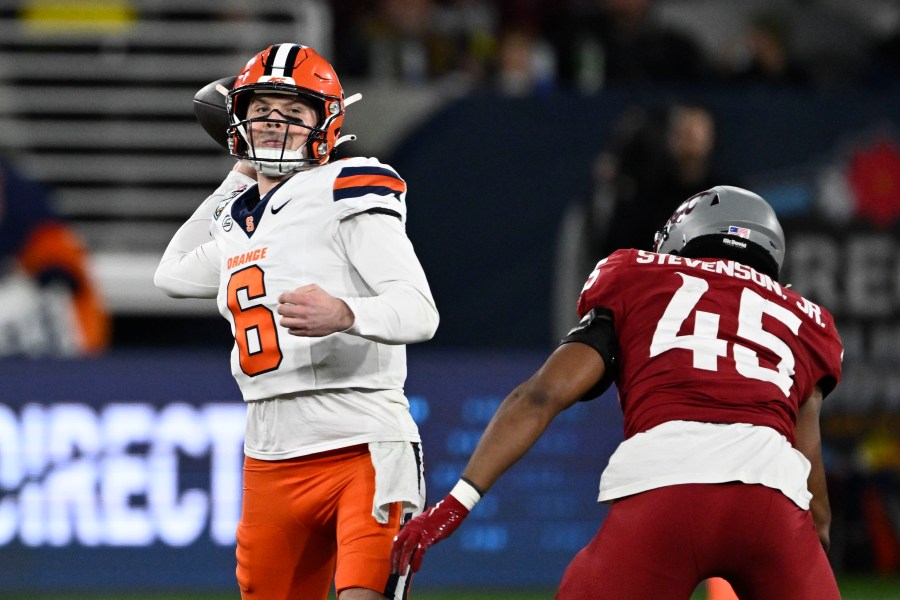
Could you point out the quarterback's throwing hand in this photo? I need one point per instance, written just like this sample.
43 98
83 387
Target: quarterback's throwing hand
435 524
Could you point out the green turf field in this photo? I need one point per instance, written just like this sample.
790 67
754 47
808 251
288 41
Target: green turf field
852 588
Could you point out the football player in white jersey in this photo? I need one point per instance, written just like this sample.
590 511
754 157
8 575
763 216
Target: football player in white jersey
310 263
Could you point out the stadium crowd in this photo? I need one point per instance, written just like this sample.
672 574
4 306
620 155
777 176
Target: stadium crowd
525 46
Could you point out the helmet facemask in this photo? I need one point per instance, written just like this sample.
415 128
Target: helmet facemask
246 141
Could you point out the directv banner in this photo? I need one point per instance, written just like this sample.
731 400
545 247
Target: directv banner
119 474
124 473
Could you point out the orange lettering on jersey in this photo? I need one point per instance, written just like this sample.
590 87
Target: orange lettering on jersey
249 224
250 256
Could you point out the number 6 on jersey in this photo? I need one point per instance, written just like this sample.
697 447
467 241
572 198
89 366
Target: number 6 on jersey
254 326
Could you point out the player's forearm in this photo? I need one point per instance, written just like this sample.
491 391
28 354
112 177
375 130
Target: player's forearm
402 314
189 274
819 505
517 425
564 379
189 267
809 443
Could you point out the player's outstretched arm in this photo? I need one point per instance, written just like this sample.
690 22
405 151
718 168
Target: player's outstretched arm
809 443
568 374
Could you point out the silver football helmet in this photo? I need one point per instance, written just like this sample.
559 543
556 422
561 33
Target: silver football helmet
728 211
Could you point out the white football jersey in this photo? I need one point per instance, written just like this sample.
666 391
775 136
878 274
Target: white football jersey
294 237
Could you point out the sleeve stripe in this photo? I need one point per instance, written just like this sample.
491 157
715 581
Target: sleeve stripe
351 171
362 190
343 183
354 182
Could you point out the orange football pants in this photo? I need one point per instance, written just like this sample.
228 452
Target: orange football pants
307 521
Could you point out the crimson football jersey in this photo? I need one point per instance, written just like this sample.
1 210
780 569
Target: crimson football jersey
711 340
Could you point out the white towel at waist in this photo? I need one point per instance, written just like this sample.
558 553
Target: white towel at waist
399 477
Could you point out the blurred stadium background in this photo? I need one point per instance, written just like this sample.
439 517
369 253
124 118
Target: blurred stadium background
119 471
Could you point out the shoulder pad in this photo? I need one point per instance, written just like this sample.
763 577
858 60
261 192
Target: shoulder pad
355 181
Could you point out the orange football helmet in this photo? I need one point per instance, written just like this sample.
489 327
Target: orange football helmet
287 69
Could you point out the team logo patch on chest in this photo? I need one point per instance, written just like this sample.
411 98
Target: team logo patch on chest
246 218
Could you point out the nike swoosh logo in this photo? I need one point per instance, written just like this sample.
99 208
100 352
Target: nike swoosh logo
276 209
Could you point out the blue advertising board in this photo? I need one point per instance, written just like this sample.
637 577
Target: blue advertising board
123 472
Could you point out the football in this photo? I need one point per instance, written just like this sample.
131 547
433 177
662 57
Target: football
209 108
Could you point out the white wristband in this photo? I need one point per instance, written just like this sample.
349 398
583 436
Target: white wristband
467 495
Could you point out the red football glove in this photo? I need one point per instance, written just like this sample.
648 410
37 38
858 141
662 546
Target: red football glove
435 524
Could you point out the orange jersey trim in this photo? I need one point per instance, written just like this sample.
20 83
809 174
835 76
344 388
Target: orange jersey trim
395 184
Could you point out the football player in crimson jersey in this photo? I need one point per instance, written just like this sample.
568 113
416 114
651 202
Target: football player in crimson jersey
720 372
333 460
